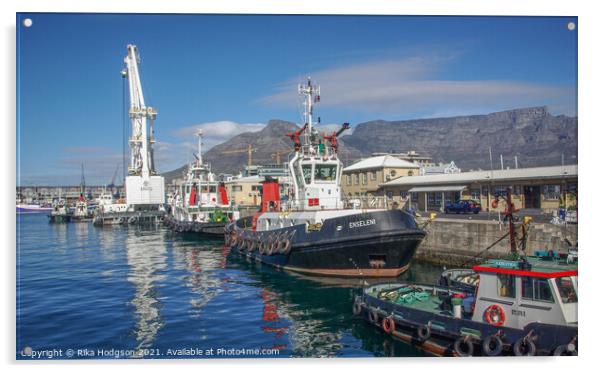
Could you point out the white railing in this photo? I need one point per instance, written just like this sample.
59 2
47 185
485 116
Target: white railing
330 203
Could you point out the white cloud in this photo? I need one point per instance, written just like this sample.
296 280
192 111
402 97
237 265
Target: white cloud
411 85
217 132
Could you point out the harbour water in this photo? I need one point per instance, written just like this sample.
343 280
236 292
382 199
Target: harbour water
108 292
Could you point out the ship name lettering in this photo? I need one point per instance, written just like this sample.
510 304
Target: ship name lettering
362 223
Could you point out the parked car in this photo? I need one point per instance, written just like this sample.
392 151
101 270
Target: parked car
463 206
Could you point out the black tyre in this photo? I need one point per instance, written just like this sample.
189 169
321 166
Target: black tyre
463 347
423 332
493 345
524 347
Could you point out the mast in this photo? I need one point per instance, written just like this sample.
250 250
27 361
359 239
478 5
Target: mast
200 147
311 94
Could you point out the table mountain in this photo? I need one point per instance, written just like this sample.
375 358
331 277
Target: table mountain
537 137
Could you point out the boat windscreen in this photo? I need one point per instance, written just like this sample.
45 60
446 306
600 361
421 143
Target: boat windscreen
325 172
566 289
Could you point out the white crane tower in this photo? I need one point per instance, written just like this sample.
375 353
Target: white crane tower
143 185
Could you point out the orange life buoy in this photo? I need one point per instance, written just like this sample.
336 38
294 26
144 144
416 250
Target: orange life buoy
494 204
388 324
495 315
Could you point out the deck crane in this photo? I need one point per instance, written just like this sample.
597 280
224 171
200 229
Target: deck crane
143 185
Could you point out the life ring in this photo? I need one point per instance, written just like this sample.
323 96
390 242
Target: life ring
373 316
524 347
493 345
424 332
565 350
357 306
388 324
463 347
494 315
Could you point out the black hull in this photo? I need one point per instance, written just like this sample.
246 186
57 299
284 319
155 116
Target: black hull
338 248
203 230
547 339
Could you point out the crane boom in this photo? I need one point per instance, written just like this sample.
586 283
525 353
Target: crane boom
143 187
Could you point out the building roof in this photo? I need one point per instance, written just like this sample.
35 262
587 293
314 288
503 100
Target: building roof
380 161
538 173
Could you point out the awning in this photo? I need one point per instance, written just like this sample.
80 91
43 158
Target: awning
438 188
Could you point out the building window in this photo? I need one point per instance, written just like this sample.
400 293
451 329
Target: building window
551 191
364 179
389 194
373 175
536 289
393 173
500 190
506 286
237 188
348 179
356 179
403 194
518 190
414 196
410 173
485 190
475 194
254 188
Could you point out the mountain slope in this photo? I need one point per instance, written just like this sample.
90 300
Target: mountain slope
533 134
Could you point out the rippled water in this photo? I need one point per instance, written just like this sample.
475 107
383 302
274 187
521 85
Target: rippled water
148 290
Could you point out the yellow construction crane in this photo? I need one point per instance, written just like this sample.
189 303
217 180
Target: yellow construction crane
249 150
278 153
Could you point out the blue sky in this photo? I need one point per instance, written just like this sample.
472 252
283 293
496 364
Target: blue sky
231 73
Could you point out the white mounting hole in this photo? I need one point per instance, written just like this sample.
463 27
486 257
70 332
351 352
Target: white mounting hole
27 22
571 26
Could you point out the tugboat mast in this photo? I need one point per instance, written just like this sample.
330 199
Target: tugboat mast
311 94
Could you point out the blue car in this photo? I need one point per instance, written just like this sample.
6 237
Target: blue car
463 206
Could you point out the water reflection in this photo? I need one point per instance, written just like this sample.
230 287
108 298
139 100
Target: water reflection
202 278
146 259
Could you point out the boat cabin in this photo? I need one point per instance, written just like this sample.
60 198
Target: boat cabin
516 293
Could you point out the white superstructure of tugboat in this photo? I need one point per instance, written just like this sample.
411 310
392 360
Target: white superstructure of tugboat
316 231
200 204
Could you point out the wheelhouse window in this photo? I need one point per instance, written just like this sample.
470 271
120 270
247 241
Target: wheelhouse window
506 286
566 289
325 172
538 289
237 188
306 168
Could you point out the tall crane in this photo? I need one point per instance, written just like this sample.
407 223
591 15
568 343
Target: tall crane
249 150
143 186
277 153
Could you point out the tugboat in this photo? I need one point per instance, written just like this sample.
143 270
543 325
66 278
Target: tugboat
60 212
201 204
526 305
315 231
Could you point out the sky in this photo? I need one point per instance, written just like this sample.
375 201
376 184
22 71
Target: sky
228 74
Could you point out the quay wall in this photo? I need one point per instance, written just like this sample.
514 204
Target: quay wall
453 242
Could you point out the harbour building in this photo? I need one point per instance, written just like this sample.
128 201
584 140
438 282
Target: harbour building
543 188
364 178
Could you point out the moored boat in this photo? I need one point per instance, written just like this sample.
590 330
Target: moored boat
520 307
317 232
200 204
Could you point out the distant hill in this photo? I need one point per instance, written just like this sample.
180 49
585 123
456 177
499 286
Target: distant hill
533 134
